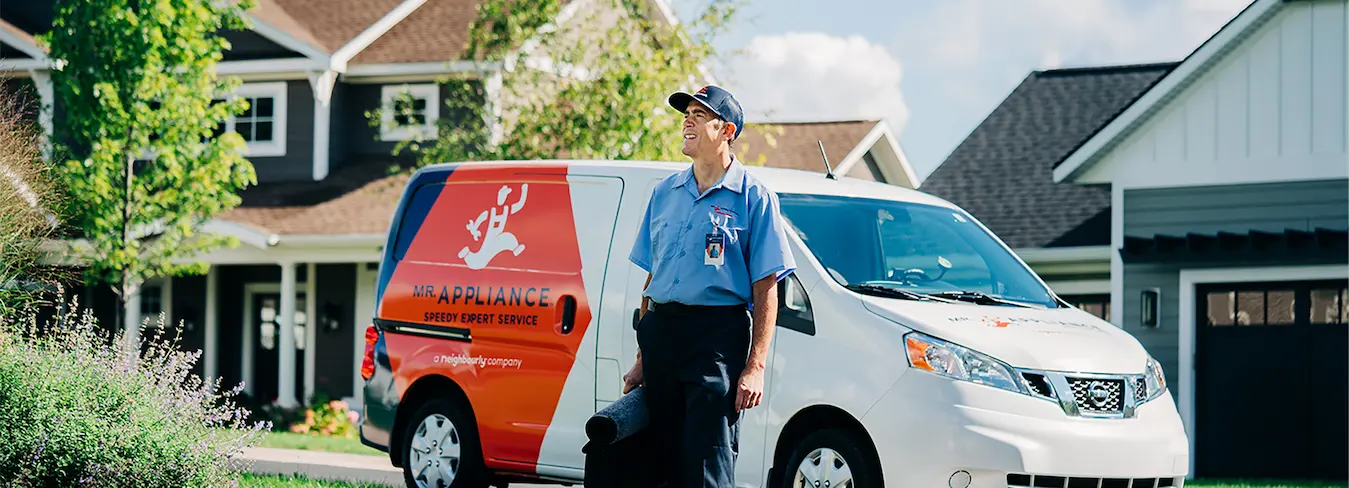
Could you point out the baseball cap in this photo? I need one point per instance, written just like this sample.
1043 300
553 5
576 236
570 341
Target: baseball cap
715 98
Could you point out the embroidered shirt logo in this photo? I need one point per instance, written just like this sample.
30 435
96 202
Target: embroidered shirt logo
496 240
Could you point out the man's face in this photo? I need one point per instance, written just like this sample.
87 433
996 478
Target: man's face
703 131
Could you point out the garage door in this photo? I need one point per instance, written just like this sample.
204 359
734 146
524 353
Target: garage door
1271 370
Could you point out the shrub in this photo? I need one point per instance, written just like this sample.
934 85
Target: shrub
327 418
29 203
80 409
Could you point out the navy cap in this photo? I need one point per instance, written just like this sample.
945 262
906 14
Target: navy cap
715 98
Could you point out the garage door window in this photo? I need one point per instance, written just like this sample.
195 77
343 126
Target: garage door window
1328 306
1274 304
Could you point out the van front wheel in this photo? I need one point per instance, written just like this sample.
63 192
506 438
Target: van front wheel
830 458
440 448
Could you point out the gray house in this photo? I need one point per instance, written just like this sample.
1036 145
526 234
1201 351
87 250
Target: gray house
286 311
1219 189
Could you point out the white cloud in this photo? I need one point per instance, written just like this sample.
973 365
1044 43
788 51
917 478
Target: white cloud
970 35
814 76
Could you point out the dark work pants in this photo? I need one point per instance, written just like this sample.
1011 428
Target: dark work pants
692 358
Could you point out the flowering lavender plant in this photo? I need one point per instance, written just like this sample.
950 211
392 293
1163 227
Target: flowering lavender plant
80 409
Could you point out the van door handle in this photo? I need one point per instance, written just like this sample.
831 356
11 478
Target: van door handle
568 314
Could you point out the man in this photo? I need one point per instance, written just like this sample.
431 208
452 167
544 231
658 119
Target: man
714 247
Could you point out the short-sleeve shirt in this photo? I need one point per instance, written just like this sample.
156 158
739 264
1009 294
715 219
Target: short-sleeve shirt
673 239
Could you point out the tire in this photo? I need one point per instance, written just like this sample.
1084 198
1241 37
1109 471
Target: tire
451 427
850 457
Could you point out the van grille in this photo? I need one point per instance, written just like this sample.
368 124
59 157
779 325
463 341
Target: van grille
1017 480
1098 395
1087 394
1039 384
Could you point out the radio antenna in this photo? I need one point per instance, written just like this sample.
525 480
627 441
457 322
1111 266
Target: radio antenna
829 171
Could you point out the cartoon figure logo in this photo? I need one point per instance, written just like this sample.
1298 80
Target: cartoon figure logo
495 241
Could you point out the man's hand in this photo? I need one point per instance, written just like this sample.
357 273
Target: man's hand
634 377
750 392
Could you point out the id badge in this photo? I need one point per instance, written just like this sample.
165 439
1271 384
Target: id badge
714 251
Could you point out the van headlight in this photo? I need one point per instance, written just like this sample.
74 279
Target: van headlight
1154 380
954 361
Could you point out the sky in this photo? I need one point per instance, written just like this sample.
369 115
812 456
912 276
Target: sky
933 69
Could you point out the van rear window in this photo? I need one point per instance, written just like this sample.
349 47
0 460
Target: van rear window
414 213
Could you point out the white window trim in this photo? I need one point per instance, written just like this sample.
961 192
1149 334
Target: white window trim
1189 278
387 131
277 91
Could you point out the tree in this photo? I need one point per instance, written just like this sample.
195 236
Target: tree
592 87
136 82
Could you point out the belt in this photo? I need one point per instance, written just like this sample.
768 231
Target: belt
683 308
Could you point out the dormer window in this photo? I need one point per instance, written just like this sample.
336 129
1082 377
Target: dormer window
263 124
409 111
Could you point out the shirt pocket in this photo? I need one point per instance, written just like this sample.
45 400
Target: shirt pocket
731 233
664 237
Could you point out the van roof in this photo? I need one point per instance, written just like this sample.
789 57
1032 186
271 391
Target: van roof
780 180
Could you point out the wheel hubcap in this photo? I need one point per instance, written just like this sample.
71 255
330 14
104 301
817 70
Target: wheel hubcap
435 452
823 468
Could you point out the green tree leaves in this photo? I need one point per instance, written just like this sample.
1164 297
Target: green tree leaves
141 104
592 86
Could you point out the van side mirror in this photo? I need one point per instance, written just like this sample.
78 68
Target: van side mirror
794 306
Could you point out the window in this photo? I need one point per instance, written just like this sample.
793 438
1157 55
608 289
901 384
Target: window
408 111
1275 304
916 247
263 124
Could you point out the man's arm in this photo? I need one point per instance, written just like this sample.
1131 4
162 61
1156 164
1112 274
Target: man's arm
634 376
765 319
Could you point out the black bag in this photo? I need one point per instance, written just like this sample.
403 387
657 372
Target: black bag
618 453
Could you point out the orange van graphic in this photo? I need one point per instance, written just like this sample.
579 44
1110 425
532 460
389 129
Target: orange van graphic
515 318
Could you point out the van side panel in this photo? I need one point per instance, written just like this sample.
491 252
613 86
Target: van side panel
594 202
482 296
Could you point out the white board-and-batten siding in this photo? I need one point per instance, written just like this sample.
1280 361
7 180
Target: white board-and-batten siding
1274 108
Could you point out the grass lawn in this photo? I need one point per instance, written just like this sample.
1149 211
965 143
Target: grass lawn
272 481
291 440
1202 483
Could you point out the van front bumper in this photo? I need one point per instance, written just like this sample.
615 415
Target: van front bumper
933 431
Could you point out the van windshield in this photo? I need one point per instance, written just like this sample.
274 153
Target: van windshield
909 250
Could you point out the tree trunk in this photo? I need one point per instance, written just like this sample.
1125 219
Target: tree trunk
130 293
131 307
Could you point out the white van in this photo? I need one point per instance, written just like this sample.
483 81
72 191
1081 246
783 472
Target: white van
913 348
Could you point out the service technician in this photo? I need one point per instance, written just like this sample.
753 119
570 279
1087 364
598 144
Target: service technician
714 246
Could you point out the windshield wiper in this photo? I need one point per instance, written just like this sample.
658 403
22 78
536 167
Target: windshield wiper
982 298
892 292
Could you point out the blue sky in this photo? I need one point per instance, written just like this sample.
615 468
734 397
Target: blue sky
935 68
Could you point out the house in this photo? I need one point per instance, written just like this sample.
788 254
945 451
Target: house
1002 174
1227 177
864 149
286 311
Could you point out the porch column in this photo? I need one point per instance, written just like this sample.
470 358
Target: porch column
209 355
285 321
312 327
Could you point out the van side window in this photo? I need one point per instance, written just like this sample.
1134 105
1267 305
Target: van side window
414 213
794 306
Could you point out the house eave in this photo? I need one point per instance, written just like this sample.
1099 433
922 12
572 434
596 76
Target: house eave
1045 255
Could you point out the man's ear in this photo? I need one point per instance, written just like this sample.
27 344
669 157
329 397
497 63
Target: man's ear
728 130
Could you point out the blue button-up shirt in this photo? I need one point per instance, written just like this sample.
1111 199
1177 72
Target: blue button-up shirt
672 241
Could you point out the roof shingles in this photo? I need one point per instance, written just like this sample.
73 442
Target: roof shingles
1003 172
796 145
436 31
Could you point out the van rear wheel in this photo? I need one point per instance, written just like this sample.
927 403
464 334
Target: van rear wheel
830 458
441 449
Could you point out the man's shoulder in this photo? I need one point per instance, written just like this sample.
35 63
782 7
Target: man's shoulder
668 182
757 191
